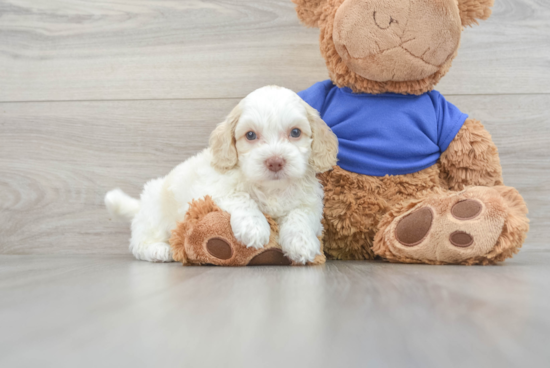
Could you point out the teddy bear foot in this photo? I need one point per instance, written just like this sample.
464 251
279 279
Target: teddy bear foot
205 237
222 250
481 225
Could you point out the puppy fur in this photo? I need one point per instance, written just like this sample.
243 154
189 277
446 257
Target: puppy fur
233 171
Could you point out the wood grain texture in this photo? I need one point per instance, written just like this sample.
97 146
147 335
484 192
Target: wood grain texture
146 49
58 159
114 311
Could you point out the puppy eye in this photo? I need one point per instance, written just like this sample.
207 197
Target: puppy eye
295 133
251 136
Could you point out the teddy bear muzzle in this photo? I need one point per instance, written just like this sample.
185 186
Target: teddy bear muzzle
396 40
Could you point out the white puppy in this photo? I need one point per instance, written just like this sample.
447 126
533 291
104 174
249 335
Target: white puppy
262 159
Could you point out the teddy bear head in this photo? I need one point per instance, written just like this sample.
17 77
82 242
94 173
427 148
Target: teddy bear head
400 46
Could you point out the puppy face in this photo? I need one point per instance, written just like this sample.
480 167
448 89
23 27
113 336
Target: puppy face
273 135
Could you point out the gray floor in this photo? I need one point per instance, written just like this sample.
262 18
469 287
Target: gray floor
76 311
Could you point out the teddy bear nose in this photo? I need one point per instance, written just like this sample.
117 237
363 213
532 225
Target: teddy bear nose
275 164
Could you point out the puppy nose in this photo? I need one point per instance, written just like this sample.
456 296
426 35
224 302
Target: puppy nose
275 164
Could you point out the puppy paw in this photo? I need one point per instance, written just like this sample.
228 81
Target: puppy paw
252 231
299 247
156 252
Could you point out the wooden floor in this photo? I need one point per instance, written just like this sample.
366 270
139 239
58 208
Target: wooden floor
102 94
112 311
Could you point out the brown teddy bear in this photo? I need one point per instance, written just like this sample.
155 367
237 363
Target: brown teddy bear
418 181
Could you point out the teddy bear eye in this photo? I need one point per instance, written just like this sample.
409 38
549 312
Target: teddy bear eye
295 133
251 136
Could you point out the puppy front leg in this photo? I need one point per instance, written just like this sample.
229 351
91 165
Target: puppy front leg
248 223
298 235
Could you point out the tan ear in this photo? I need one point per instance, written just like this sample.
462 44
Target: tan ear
309 11
472 10
223 143
324 146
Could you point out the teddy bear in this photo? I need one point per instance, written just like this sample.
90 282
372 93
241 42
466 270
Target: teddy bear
418 180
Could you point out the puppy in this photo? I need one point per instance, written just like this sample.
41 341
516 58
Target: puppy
262 160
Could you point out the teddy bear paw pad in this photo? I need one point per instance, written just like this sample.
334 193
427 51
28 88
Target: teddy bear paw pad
219 248
449 228
467 209
414 228
461 239
270 257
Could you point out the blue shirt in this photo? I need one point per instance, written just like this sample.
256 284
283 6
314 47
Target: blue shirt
386 134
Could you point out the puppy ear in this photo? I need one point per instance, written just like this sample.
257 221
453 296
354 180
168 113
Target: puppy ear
223 143
324 147
472 10
309 11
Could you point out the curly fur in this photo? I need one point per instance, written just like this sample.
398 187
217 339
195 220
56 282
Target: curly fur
309 11
471 159
472 10
514 233
205 220
355 204
198 209
358 207
236 171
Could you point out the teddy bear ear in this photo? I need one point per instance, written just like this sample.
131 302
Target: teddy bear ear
473 10
309 11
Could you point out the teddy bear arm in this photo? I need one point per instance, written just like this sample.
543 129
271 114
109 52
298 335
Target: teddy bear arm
471 159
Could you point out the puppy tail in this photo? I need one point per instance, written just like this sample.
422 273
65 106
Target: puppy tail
120 205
